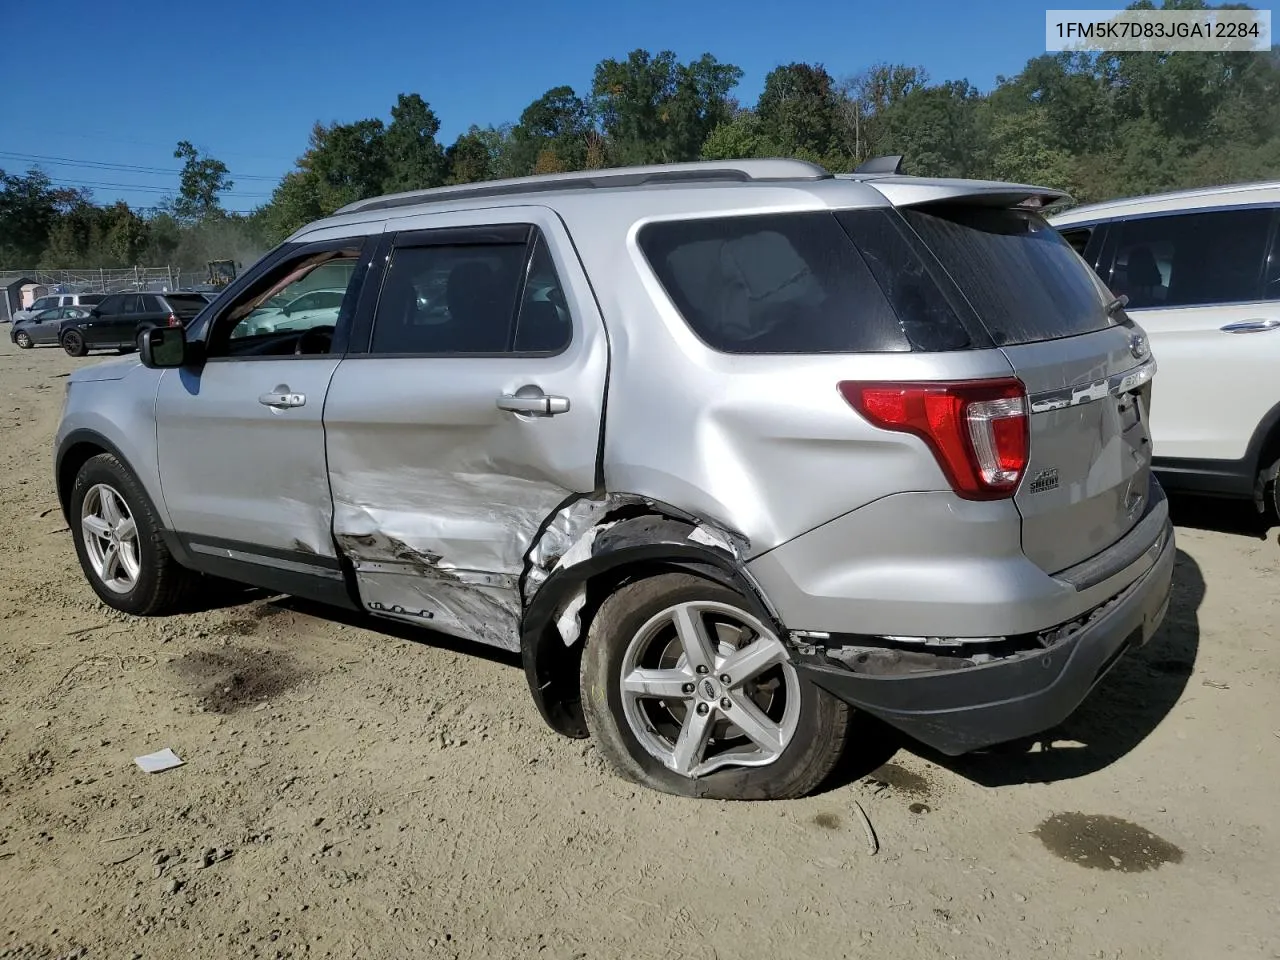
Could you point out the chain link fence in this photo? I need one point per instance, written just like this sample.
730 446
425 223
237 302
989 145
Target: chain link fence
153 279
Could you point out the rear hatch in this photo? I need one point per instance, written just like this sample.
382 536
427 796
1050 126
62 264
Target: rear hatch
1087 372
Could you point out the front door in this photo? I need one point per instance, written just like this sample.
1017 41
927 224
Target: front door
1196 284
241 437
47 324
465 415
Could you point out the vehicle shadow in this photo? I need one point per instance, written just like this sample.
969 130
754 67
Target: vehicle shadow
1238 517
1119 714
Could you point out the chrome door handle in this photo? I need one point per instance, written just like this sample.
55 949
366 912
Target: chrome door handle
1251 326
538 404
282 399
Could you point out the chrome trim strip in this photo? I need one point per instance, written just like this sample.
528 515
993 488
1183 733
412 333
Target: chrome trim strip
1073 396
257 558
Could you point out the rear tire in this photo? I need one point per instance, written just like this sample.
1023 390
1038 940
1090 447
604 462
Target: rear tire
1271 496
645 706
120 542
23 340
74 344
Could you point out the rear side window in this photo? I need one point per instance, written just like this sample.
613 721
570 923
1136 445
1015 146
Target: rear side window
773 284
449 299
90 298
188 305
1022 278
1191 259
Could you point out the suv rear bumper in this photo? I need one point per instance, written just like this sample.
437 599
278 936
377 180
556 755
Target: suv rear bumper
959 710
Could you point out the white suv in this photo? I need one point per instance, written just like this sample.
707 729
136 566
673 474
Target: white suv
54 300
1201 269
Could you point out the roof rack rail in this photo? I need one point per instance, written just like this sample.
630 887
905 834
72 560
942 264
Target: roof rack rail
703 171
890 165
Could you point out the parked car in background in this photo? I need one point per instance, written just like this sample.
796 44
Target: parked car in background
45 327
116 322
722 449
1201 271
58 300
311 309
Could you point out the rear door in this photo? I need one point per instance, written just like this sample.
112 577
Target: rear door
1087 375
465 416
1198 283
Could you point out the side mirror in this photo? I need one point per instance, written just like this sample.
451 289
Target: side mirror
162 347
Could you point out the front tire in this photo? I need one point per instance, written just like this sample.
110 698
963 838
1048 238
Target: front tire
120 544
687 692
73 343
23 340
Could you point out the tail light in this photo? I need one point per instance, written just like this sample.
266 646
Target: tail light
174 321
977 429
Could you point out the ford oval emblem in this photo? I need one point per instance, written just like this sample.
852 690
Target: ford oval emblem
1138 346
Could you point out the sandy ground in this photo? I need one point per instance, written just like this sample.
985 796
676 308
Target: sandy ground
356 790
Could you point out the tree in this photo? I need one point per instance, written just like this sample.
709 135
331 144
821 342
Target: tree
654 109
29 209
202 179
414 160
557 124
740 138
799 113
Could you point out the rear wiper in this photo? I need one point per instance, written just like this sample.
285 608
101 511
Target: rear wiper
1119 303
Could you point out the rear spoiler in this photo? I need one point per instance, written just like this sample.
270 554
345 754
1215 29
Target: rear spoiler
913 191
903 190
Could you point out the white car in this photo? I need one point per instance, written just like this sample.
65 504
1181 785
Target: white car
54 300
312 309
1201 270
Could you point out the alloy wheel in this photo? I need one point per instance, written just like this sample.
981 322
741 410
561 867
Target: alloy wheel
110 538
706 685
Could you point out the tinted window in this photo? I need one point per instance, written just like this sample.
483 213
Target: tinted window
1021 277
781 283
133 304
188 305
449 299
91 298
1190 258
544 325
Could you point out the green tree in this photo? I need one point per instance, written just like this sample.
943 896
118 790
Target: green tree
655 109
740 138
414 160
799 113
558 124
202 180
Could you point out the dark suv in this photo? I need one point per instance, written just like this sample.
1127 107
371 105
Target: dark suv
120 317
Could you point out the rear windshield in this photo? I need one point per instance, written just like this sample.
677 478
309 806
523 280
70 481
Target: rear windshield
186 304
790 283
1021 277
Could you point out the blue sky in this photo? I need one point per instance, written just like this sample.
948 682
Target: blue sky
120 83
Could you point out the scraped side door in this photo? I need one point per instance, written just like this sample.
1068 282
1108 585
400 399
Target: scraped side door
467 411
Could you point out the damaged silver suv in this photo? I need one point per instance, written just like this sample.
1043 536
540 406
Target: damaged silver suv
724 450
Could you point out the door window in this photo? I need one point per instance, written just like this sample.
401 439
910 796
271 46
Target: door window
1191 259
454 299
543 325
261 321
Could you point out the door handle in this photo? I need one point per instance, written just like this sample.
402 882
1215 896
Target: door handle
532 402
1251 326
281 399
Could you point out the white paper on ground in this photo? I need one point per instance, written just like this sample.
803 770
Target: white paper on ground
164 759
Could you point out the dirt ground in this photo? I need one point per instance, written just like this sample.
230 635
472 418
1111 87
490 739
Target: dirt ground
358 790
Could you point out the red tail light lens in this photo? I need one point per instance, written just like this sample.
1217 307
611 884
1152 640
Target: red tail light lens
174 321
977 429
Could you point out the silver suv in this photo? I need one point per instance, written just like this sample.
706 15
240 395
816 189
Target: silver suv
723 450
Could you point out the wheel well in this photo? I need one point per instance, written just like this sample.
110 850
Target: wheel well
556 666
75 457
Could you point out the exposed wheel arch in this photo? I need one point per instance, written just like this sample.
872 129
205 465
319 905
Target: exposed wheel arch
631 549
